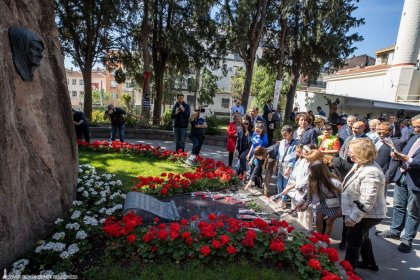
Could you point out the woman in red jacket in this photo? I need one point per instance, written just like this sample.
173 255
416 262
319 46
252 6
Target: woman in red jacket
232 132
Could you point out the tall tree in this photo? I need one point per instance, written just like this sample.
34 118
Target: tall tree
208 87
317 34
86 33
243 23
182 34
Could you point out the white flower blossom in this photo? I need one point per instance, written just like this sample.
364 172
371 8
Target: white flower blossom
74 226
58 235
58 221
19 266
81 234
76 214
77 203
51 246
88 220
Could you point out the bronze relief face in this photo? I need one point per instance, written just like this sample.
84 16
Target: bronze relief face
27 48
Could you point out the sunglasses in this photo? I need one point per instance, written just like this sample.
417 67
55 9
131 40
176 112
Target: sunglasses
245 123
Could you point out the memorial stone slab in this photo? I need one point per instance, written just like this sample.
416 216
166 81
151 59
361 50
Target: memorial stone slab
149 207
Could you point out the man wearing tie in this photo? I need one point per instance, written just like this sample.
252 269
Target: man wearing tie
406 214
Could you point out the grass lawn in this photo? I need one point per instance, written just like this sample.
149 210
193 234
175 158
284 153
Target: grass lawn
195 269
127 167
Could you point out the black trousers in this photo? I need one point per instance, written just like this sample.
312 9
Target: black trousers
359 243
82 130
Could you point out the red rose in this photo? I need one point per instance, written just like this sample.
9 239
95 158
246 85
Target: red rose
154 248
131 238
216 244
188 241
332 254
231 250
290 229
156 220
174 227
212 217
346 265
308 250
184 222
186 234
205 250
219 224
224 239
162 234
251 234
248 242
315 264
173 235
162 226
277 246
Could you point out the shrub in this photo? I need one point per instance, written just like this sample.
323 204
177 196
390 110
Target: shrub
98 117
212 125
166 121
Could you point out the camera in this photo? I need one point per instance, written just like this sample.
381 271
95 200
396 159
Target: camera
200 110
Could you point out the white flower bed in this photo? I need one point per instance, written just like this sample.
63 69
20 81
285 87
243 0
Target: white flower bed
97 197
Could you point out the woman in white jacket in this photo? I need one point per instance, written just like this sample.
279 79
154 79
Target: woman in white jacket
363 203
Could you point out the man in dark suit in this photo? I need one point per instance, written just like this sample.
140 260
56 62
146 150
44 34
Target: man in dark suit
345 131
383 159
396 131
406 214
343 163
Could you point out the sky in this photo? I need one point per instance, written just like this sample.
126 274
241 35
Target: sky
382 20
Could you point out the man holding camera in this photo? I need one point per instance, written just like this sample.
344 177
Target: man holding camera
116 115
180 117
198 127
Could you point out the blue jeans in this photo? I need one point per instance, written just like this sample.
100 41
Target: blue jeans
197 143
180 134
281 185
121 129
406 214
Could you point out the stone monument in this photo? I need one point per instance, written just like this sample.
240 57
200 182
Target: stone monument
149 207
38 167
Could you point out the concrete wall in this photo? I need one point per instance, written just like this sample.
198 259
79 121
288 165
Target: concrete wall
369 85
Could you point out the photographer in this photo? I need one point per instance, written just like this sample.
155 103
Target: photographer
180 116
198 127
115 114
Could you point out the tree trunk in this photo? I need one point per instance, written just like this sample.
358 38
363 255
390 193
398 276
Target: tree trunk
159 73
197 85
145 111
292 89
248 82
87 84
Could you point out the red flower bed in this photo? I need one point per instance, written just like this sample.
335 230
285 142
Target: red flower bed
224 238
207 174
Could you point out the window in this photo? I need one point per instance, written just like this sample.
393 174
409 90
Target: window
225 103
74 93
80 82
95 85
81 94
190 99
73 81
114 84
68 81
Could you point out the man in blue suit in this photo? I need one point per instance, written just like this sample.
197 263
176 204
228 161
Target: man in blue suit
406 214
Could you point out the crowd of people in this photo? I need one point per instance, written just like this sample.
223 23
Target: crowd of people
334 168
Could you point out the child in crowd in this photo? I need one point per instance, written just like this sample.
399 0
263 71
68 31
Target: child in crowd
260 154
324 193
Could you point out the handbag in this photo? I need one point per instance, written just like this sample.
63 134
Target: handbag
332 202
